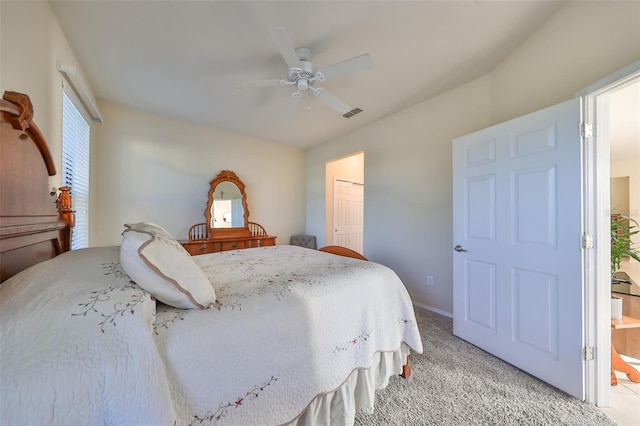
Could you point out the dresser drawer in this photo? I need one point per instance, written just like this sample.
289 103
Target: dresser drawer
263 242
232 245
201 247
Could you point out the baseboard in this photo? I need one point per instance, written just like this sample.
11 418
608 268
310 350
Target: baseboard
436 310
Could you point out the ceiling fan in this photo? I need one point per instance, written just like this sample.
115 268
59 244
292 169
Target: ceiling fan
303 75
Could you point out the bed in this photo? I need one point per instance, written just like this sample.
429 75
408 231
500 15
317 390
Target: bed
269 335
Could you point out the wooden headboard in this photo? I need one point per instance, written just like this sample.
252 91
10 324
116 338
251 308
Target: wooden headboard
34 224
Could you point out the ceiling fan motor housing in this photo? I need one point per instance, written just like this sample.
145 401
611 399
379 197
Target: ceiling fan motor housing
304 54
304 76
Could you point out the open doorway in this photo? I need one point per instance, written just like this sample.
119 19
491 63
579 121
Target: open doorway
624 136
345 202
603 110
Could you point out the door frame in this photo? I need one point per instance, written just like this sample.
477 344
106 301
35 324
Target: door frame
596 211
349 167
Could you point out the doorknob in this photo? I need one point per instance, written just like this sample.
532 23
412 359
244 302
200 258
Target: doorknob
459 248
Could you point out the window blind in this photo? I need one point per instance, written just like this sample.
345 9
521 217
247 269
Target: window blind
76 134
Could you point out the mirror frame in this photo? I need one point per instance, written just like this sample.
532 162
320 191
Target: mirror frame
227 176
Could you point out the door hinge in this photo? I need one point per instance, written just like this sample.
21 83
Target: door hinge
587 353
586 130
587 241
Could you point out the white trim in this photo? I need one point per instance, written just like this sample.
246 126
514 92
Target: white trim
621 76
596 219
82 89
67 89
436 310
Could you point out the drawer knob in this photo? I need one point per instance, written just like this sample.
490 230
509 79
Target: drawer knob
201 249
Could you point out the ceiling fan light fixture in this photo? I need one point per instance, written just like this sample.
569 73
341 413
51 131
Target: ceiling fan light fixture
302 84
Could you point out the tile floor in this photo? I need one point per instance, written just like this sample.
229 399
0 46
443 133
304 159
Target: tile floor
625 398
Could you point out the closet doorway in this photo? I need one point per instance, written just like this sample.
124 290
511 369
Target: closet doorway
345 202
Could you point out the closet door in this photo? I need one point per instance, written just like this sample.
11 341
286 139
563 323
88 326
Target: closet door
348 214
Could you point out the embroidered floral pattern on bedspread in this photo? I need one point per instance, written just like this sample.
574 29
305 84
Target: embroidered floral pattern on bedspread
99 299
78 332
407 321
225 408
171 316
272 275
353 342
114 268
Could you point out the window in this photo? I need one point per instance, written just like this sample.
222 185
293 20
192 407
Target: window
76 134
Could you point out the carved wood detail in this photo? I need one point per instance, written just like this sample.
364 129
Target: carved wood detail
31 227
17 109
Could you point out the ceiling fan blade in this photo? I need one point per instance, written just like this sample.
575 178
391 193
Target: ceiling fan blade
349 66
282 41
333 101
259 83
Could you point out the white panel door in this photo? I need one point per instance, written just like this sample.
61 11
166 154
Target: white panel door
348 208
517 287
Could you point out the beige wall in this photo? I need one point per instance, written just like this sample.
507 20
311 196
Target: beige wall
408 155
620 195
631 170
154 168
31 44
582 43
407 165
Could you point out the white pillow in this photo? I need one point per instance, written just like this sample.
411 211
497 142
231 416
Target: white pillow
160 265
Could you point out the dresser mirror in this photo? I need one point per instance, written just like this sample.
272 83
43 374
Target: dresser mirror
227 213
227 210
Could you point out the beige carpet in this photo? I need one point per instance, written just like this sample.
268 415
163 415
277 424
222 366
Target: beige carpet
455 383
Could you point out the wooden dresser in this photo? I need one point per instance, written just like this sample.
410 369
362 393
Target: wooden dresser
213 245
195 247
227 225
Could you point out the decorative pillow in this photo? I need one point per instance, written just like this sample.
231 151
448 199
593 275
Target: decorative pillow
160 265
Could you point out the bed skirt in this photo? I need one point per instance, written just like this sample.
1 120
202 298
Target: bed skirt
357 393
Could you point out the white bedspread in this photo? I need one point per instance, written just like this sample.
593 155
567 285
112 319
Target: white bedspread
77 346
83 345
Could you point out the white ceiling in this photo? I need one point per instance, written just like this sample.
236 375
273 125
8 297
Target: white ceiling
186 59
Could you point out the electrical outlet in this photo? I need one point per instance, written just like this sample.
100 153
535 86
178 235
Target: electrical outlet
429 279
